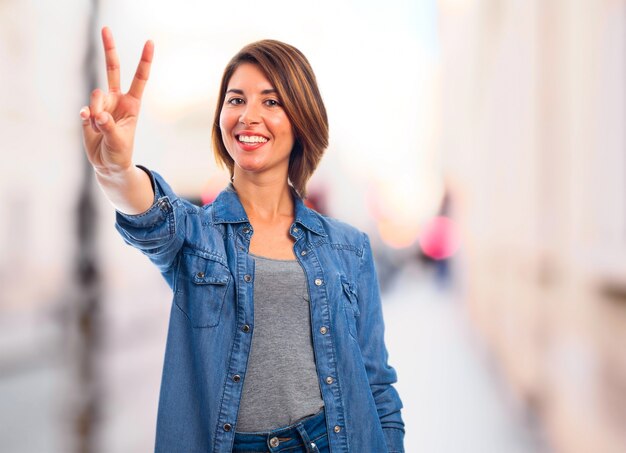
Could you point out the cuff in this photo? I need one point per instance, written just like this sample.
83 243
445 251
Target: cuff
154 225
155 188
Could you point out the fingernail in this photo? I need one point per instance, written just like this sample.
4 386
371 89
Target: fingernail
84 113
102 119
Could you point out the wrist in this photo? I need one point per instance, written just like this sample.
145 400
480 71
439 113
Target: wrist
116 173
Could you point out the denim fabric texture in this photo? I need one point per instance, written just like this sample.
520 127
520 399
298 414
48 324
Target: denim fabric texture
202 252
305 436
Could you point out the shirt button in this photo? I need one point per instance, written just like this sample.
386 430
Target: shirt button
318 282
295 230
236 378
274 442
329 380
246 328
246 230
247 278
303 253
200 275
323 330
228 427
337 428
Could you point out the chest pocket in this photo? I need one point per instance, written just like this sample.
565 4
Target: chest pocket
351 306
202 287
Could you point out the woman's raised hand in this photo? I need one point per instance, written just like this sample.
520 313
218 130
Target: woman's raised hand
109 132
110 120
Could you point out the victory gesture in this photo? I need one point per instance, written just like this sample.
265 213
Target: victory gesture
110 120
109 124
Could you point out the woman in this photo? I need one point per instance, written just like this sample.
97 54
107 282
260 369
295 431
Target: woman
276 334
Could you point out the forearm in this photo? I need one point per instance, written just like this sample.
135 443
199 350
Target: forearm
158 232
371 341
130 191
394 437
389 406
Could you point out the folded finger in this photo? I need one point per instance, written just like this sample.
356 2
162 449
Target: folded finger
112 60
89 132
95 107
85 114
143 71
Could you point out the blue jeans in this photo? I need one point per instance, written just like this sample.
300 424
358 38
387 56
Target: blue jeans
307 435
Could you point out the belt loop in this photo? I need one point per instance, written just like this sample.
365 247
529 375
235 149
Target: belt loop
305 437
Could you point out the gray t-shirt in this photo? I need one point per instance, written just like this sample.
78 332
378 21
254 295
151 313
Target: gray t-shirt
281 384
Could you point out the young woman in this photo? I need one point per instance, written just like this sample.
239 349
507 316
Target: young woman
275 341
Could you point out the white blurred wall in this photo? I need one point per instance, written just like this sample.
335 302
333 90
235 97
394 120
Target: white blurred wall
534 115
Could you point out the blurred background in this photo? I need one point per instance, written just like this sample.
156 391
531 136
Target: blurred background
480 143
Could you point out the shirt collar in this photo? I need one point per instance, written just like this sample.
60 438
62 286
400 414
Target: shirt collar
228 209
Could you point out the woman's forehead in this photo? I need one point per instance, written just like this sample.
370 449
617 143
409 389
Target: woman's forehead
249 77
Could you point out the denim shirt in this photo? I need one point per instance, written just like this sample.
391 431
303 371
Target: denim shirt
202 252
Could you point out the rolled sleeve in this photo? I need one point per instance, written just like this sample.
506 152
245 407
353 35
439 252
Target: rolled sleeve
157 232
371 340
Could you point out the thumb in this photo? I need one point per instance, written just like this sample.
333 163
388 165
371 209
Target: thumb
105 122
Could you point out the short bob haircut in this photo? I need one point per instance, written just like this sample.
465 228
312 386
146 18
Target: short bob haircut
291 75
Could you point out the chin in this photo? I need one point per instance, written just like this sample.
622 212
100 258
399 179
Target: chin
250 167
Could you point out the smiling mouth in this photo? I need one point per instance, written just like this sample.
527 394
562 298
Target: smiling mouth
252 139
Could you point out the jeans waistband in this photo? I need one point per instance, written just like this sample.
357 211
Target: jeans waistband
299 434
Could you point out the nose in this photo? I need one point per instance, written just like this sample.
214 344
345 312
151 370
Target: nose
250 115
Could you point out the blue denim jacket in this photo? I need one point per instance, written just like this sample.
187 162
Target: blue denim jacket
203 255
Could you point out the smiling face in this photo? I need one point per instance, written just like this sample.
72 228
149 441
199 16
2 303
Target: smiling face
254 126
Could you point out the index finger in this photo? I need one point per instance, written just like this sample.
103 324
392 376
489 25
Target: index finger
112 60
143 71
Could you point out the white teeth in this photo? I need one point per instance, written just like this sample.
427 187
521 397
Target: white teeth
252 139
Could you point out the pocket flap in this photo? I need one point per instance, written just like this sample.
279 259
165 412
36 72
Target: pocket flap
200 278
202 288
207 272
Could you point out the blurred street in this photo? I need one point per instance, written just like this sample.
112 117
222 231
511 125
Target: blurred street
454 395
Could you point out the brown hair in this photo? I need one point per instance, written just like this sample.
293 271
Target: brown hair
290 73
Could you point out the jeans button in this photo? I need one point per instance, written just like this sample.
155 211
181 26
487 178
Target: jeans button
274 442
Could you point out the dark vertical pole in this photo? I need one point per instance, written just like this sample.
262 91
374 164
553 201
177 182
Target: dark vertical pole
87 278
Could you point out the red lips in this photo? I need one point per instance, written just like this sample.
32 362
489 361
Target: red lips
252 145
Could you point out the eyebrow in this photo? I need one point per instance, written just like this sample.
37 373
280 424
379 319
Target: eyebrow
237 91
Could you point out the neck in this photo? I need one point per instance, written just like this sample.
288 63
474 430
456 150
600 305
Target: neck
265 199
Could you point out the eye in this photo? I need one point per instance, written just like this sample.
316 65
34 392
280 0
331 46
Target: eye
234 101
272 103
